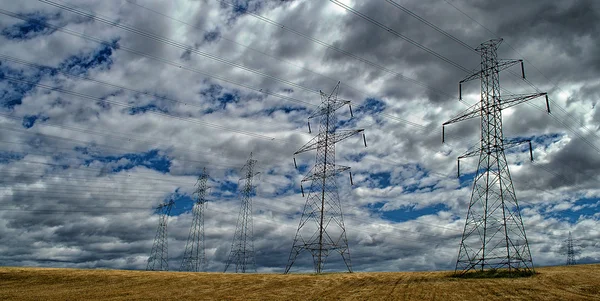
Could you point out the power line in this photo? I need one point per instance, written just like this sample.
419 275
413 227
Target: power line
423 20
397 34
186 119
156 58
180 66
556 104
173 43
244 46
472 49
379 159
99 18
241 9
285 61
212 163
87 78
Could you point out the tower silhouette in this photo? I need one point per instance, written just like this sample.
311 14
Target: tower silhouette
321 229
242 247
494 235
194 257
570 251
159 256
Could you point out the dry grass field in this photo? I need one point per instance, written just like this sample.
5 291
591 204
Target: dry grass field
580 282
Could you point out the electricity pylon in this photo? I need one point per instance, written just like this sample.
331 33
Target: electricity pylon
159 256
321 228
494 235
194 256
242 247
570 251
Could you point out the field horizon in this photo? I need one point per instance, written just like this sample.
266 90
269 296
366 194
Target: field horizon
579 282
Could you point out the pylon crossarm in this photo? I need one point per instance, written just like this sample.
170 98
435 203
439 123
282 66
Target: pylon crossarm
502 64
515 99
515 142
310 145
308 174
474 75
327 107
472 152
472 112
335 137
329 173
505 64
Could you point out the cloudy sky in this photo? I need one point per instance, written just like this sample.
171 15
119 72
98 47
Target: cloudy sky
109 108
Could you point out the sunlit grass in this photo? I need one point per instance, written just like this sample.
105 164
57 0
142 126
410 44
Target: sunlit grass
581 282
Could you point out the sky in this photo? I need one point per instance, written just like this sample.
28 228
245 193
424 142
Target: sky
110 108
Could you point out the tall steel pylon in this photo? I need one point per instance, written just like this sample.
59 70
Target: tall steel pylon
159 256
321 228
570 251
194 256
494 235
242 247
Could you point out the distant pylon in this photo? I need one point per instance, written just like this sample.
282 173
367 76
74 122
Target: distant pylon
494 235
194 256
570 251
242 247
159 256
321 228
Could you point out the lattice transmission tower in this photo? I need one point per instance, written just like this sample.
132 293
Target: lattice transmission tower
242 247
159 256
570 251
494 235
194 256
321 229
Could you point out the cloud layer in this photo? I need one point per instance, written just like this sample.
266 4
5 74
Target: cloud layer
111 108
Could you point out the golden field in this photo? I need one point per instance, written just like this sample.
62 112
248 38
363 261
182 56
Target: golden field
580 282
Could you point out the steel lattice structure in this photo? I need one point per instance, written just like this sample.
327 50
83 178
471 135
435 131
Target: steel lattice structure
159 256
242 247
194 256
494 235
570 251
321 228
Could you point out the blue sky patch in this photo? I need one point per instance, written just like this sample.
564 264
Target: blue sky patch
12 92
150 159
225 189
537 141
581 207
356 157
29 120
99 58
381 179
466 178
183 203
218 98
211 36
241 7
228 98
284 109
406 213
8 157
31 28
371 106
146 108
